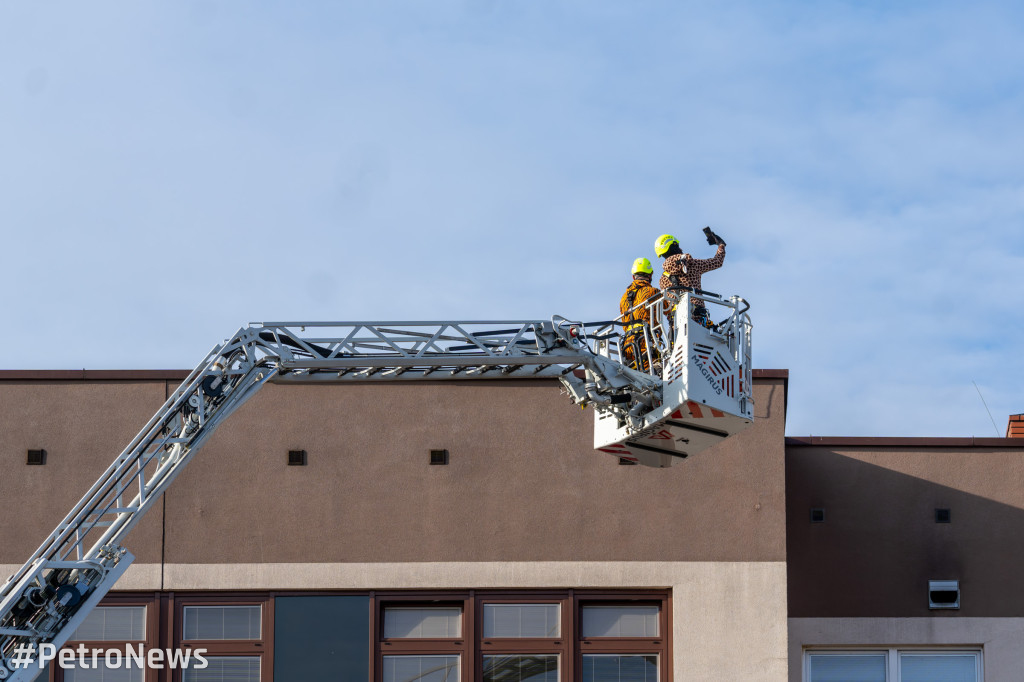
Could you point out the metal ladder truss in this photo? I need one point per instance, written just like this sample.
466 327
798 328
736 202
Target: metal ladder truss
50 596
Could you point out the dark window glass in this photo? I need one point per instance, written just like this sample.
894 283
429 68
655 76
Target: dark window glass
521 668
321 638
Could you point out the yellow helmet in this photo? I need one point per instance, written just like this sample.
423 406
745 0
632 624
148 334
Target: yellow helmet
662 244
642 266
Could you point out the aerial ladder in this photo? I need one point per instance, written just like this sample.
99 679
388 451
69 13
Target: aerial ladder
692 390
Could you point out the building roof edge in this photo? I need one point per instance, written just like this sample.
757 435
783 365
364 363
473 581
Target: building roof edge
902 442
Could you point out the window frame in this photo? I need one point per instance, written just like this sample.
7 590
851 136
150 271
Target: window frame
180 673
262 647
630 640
420 646
439 654
165 627
569 646
661 646
404 640
151 640
560 659
659 659
893 671
496 646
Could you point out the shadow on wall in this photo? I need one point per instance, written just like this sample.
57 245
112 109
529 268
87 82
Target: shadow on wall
880 542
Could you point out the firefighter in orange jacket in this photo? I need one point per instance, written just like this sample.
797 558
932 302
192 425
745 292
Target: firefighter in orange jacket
635 316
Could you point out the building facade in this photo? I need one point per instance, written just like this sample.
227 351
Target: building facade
462 531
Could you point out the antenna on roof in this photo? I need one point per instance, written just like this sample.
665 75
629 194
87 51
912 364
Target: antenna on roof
986 408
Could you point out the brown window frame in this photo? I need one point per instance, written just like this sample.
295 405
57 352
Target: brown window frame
262 647
660 645
569 646
420 646
151 641
165 624
561 645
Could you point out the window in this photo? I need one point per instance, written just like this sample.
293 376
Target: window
315 636
234 633
893 665
619 621
620 668
123 673
426 622
429 668
222 622
119 623
521 636
113 624
422 642
939 667
554 635
621 642
225 669
521 639
520 668
852 667
522 620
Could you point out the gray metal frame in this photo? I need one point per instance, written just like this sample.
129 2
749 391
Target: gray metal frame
49 597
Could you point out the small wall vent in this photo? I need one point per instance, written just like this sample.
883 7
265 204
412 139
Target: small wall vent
438 457
943 594
296 458
817 515
36 457
943 516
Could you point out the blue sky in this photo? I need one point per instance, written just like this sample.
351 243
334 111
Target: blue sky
170 171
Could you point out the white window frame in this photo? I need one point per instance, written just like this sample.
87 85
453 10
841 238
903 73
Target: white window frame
892 657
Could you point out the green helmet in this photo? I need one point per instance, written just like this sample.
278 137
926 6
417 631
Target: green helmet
642 266
663 243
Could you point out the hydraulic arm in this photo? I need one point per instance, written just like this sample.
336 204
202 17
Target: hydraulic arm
693 390
49 597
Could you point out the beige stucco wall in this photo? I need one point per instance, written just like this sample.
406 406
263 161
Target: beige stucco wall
729 618
1000 639
524 482
82 426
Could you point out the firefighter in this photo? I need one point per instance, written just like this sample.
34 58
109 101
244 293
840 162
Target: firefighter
636 321
683 270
